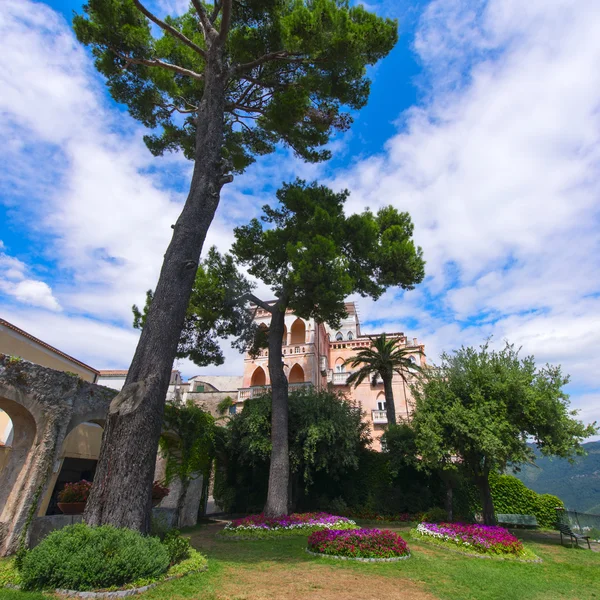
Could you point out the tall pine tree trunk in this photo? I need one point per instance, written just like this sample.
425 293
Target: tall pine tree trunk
487 503
390 407
121 494
279 471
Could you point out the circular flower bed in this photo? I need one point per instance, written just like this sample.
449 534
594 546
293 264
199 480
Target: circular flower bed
358 544
259 526
481 539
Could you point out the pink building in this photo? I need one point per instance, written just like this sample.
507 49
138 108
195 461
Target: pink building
314 355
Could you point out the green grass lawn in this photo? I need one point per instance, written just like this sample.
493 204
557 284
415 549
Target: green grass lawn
280 569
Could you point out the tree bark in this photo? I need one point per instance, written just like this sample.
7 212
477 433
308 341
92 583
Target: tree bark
487 503
390 407
279 471
121 494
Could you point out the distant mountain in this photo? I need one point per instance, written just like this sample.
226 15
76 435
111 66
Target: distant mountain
577 485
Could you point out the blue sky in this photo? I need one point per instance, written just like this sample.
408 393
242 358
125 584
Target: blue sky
483 123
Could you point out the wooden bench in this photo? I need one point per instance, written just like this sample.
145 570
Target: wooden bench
567 531
517 520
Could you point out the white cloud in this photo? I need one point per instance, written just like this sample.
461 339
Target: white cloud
14 281
500 169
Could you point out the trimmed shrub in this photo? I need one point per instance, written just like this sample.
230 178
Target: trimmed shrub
79 557
545 509
177 546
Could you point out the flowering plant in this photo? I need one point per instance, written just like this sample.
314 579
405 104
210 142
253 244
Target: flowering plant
159 491
75 492
483 539
294 523
358 543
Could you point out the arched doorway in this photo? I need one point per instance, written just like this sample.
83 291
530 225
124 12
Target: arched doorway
298 332
258 378
340 365
296 374
19 441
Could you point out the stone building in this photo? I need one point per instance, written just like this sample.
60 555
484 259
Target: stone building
314 355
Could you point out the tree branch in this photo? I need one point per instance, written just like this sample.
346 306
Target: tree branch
215 12
271 56
257 301
225 20
169 29
207 27
158 63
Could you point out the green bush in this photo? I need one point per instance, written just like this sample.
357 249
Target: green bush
79 557
177 546
435 515
545 512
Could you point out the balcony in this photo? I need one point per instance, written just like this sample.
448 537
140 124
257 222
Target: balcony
259 390
340 378
379 417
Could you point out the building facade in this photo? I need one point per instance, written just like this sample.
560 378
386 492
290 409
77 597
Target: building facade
314 354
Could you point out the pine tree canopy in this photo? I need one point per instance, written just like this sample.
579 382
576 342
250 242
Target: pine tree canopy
295 69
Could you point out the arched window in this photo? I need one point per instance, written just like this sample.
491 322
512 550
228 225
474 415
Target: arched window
298 332
350 336
296 374
381 401
340 367
258 378
413 360
339 336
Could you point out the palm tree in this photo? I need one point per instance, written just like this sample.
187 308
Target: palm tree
384 358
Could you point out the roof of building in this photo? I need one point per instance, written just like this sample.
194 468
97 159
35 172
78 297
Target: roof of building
113 372
47 346
223 383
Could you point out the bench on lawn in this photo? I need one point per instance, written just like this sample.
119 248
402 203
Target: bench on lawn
517 520
567 531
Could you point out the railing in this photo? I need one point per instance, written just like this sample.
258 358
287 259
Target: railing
379 416
259 390
340 378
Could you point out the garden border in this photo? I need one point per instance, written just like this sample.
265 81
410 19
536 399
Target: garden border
358 558
120 593
537 560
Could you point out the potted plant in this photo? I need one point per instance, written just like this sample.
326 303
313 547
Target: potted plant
158 492
72 498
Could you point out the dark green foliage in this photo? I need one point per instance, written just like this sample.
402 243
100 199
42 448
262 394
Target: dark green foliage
326 435
291 66
188 441
214 311
79 557
313 256
435 515
511 497
178 547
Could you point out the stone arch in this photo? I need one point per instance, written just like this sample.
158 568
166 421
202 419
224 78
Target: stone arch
298 331
259 377
296 374
16 468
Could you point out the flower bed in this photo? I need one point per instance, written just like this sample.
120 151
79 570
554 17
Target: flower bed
259 526
358 543
480 539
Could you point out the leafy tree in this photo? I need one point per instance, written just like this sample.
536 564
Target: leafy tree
313 256
481 407
384 358
188 442
223 83
326 435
